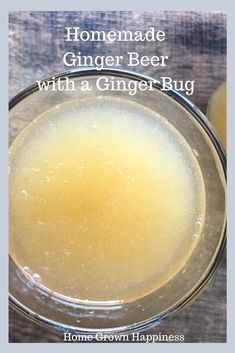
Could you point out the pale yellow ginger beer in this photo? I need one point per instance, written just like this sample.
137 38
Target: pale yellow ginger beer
105 196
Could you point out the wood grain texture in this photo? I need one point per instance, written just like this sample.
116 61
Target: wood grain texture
196 46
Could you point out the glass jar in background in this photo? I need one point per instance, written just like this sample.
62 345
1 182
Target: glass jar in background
216 111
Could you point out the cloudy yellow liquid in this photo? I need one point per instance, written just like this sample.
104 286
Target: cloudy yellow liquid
105 197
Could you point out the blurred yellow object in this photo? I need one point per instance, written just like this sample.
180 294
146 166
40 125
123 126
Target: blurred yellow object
216 111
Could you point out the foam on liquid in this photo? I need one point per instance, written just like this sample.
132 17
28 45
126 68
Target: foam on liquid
104 200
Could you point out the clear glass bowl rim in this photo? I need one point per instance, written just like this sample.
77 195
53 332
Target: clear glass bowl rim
207 127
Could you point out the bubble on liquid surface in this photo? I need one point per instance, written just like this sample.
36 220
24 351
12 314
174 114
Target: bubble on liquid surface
26 268
24 193
199 222
47 179
36 277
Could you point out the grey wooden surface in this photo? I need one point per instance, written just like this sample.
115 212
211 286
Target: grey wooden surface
196 46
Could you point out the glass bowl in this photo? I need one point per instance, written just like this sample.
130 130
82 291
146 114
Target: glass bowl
64 316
